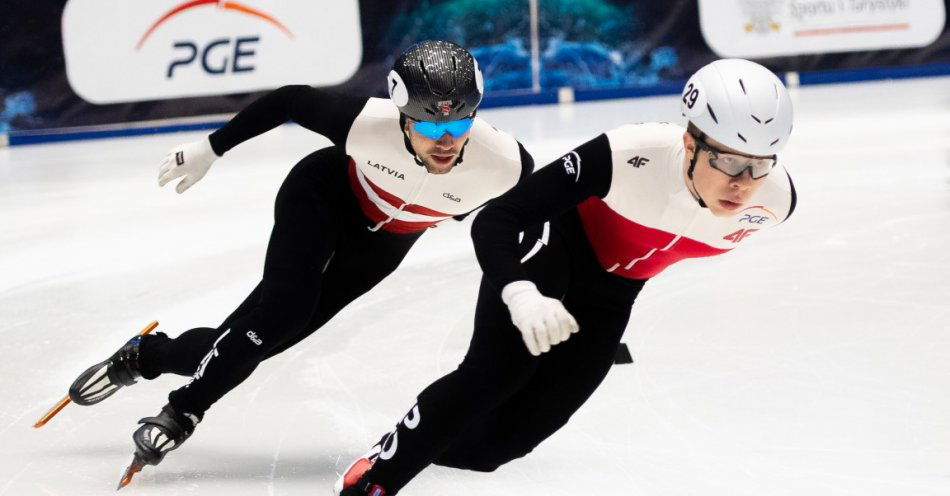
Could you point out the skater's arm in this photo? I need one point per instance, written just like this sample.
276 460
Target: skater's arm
318 110
527 163
559 186
794 200
322 111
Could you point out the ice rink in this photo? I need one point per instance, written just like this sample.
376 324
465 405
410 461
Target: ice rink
813 360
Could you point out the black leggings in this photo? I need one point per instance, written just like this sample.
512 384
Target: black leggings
501 402
321 256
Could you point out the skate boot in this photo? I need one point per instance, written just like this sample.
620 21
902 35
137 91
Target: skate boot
105 378
163 433
157 436
352 482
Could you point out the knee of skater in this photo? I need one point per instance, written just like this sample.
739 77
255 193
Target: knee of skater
245 342
498 375
481 456
468 460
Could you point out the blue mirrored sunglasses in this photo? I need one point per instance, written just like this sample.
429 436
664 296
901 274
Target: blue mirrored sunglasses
435 130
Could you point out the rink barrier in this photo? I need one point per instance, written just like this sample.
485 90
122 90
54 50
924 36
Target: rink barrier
506 99
126 130
835 76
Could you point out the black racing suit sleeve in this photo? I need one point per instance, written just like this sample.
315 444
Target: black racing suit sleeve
527 165
554 189
319 110
791 207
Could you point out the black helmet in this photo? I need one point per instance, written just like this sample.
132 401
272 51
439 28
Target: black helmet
435 81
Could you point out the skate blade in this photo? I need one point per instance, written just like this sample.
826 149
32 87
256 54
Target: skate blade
52 412
134 468
65 401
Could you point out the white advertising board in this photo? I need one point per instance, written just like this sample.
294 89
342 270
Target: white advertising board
769 28
135 50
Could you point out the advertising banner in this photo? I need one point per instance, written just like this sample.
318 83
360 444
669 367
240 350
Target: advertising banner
771 28
122 51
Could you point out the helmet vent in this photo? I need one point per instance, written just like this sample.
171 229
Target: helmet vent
743 86
742 138
774 142
429 82
756 119
712 114
770 120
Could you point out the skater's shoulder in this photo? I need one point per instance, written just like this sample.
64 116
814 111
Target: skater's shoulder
494 142
380 108
646 135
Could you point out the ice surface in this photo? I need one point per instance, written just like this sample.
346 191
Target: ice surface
813 361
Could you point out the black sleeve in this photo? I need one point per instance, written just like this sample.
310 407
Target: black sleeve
527 165
318 110
791 207
554 189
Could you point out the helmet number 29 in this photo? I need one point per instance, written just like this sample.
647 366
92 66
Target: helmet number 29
690 94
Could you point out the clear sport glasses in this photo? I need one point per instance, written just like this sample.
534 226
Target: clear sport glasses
734 165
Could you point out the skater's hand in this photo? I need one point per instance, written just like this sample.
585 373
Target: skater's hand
543 321
191 161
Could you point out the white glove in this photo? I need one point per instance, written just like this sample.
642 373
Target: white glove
543 321
191 160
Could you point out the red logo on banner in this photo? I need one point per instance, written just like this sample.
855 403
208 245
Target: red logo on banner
223 4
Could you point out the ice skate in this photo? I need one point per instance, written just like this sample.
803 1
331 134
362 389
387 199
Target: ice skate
157 436
108 376
97 382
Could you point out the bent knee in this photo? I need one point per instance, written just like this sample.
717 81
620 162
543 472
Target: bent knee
479 458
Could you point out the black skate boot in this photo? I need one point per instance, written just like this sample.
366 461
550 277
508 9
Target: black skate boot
105 378
162 433
157 436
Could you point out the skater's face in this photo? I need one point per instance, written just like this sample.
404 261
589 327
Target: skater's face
724 195
438 155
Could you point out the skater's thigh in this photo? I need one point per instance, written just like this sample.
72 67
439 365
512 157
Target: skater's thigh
306 219
306 230
252 301
565 379
360 262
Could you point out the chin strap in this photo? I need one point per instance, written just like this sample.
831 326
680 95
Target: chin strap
689 174
406 141
458 161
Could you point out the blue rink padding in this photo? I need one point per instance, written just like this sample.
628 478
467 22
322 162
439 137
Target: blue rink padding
506 99
871 74
36 137
517 98
664 88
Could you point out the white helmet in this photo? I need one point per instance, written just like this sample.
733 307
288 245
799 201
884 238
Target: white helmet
739 104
